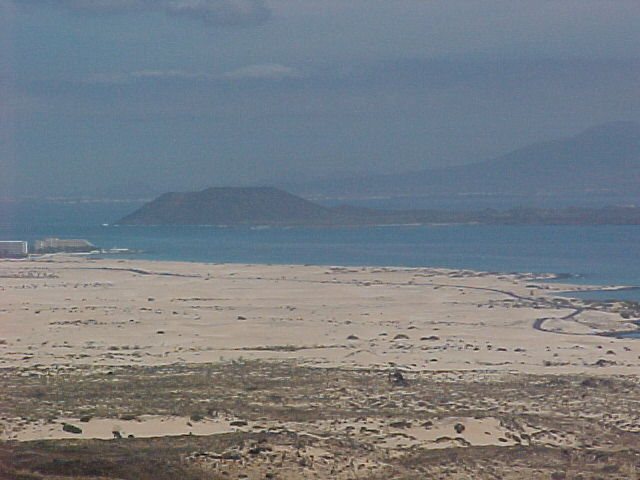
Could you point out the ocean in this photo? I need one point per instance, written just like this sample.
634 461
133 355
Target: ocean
599 255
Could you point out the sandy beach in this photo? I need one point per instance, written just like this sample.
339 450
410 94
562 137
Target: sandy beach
81 311
87 319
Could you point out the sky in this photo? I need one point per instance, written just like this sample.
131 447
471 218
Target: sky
128 98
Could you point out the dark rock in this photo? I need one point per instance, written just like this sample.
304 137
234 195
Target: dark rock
397 379
231 456
604 363
400 424
257 449
67 427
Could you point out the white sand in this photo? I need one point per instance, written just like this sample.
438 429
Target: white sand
70 311
441 434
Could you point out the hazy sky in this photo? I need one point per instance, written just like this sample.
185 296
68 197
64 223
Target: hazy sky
123 96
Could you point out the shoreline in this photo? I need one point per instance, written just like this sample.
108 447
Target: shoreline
537 276
548 276
569 249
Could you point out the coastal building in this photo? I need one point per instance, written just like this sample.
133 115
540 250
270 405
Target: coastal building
69 245
13 249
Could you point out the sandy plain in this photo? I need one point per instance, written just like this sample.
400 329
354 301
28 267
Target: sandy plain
68 311
68 324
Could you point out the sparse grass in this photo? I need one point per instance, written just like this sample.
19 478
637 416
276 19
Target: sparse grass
151 459
285 391
600 416
172 458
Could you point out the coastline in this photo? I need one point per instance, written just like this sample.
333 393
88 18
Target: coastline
593 254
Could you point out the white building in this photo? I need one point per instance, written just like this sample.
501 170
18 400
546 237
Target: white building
13 249
51 245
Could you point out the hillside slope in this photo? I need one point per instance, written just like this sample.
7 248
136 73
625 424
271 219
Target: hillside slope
269 206
227 206
603 159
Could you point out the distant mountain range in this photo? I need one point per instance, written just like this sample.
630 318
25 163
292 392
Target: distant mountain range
270 206
599 161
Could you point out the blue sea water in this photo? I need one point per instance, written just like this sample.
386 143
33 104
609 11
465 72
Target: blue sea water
628 294
600 255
